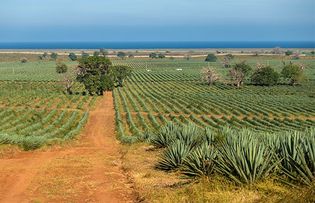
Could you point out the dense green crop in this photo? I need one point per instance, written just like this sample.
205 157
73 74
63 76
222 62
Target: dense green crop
157 93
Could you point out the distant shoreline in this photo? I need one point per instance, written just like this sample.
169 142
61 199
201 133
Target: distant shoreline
155 45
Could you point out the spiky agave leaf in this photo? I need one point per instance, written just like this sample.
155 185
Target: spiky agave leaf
302 165
173 156
245 159
165 136
191 135
200 162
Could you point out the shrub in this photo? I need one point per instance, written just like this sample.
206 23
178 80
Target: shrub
239 72
288 53
293 73
61 68
73 57
54 56
211 58
265 76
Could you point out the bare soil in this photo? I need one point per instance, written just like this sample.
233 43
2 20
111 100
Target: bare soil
87 171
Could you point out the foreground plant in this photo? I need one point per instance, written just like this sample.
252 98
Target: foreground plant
244 159
200 162
173 156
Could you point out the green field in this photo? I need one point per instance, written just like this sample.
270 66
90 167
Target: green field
256 137
37 113
157 92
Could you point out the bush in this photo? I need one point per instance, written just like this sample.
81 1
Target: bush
293 73
73 57
54 56
211 58
61 68
288 53
265 76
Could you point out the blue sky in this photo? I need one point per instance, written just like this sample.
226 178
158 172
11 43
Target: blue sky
162 20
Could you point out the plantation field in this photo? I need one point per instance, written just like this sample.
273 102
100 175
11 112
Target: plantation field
37 113
157 92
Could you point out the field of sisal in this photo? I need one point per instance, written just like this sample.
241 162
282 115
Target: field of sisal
159 91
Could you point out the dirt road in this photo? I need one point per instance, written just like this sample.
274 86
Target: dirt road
88 171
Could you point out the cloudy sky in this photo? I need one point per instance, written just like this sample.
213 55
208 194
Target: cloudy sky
162 20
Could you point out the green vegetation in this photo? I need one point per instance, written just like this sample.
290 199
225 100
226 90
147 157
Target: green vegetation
265 76
211 58
293 73
61 68
38 113
73 57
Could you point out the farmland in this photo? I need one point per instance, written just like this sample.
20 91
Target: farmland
162 109
157 92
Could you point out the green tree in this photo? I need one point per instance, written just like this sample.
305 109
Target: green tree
288 53
153 55
121 54
72 56
92 72
61 68
161 56
103 52
120 73
85 55
265 76
45 55
293 73
211 58
54 56
239 72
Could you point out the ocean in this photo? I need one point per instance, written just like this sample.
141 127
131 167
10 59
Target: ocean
155 45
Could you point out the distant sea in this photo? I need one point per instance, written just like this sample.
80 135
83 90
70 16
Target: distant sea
155 45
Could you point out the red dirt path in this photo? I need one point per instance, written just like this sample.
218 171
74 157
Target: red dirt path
89 171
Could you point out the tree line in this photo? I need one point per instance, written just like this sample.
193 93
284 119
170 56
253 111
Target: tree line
263 75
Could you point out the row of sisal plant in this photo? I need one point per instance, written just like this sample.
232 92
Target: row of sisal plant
243 156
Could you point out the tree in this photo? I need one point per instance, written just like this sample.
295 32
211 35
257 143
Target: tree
85 55
209 75
211 58
73 57
288 53
239 72
92 73
45 55
121 54
153 55
68 81
265 76
54 56
61 68
293 73
103 52
23 60
161 56
227 60
120 73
